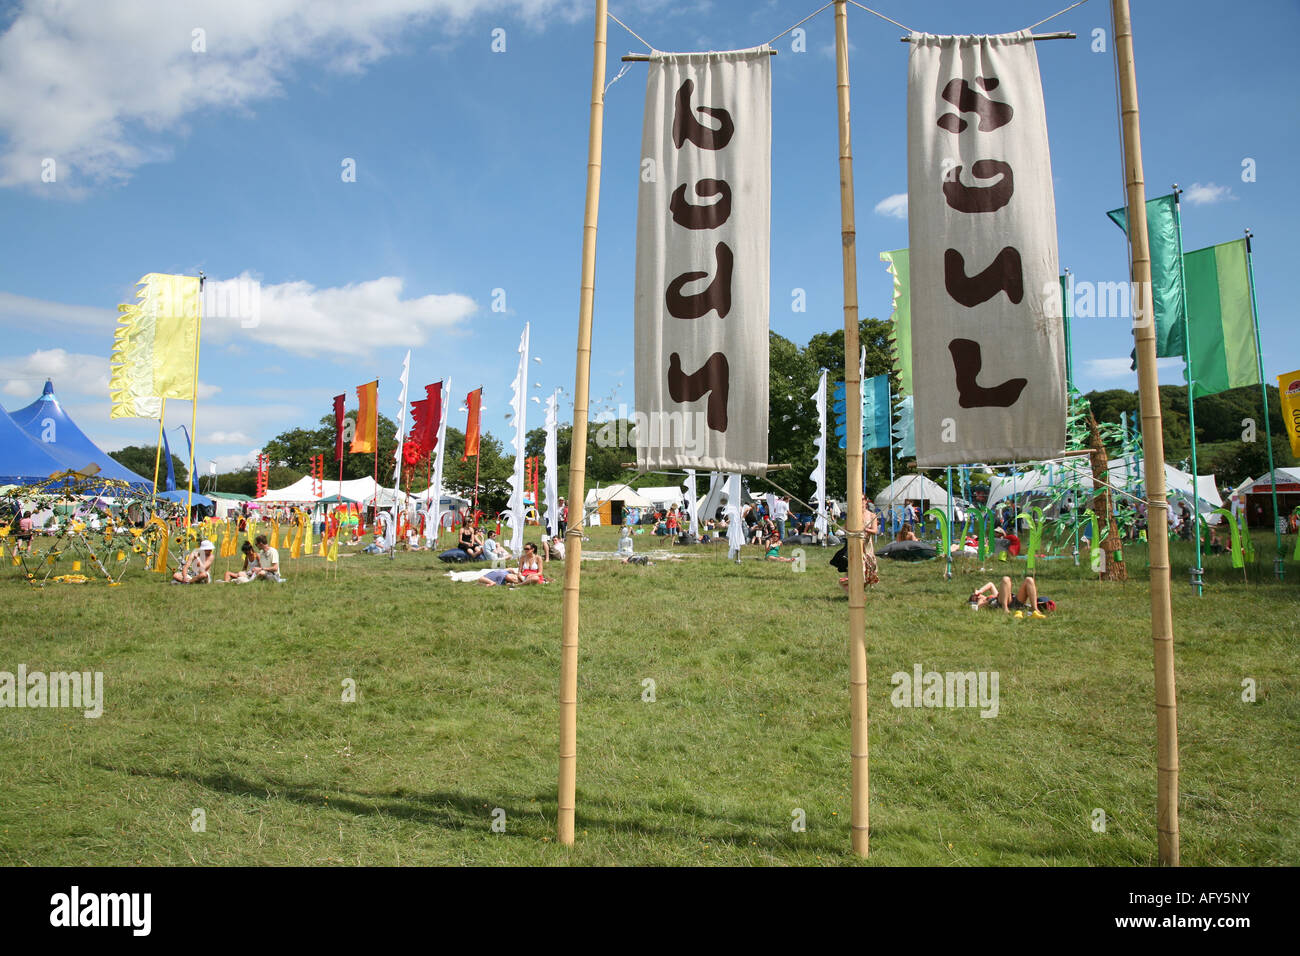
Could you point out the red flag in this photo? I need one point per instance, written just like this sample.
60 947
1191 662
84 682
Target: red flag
474 400
339 401
433 396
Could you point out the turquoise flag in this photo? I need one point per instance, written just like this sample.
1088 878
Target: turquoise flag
875 412
904 429
1167 291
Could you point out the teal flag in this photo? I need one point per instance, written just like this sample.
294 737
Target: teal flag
875 412
1167 290
904 429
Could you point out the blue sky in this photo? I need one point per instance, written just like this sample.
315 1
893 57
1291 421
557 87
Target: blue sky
470 178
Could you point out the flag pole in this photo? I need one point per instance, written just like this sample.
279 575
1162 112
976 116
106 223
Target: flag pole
1279 567
578 445
1153 446
194 409
853 454
1197 570
157 458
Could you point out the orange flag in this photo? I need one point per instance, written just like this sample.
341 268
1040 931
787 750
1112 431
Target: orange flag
363 440
474 400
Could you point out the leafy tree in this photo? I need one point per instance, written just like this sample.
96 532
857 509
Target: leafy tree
141 458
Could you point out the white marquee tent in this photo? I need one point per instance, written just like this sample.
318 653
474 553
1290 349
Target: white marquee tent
917 488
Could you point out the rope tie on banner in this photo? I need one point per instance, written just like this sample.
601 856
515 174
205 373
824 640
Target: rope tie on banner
631 31
801 22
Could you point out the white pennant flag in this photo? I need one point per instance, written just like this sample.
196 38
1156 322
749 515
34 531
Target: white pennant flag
550 460
519 406
692 505
988 365
435 490
818 475
401 432
702 262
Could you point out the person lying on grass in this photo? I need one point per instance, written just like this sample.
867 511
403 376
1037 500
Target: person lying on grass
994 598
198 566
244 574
497 576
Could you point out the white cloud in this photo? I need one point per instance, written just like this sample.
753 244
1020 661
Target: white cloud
233 462
72 373
226 438
1205 194
343 320
1119 367
36 312
102 88
894 206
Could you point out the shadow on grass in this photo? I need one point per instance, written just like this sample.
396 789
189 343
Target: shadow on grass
459 811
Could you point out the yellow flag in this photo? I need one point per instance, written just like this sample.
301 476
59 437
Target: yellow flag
1288 386
334 550
176 334
295 551
308 546
275 534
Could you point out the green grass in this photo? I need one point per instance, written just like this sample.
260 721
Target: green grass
228 699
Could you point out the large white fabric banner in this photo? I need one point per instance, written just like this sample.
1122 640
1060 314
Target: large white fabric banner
515 516
988 350
702 262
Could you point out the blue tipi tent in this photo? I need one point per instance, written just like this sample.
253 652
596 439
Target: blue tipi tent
46 423
22 460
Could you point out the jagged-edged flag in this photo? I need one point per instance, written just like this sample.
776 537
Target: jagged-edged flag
367 432
904 429
900 334
340 415
473 402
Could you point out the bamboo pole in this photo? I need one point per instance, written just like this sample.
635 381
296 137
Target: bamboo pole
578 446
1153 447
194 411
853 451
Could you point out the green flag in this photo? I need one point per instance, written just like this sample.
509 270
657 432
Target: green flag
901 337
1166 278
1220 324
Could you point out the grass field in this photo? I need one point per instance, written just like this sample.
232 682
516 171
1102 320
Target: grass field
228 700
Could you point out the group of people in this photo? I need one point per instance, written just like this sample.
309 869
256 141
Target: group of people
261 563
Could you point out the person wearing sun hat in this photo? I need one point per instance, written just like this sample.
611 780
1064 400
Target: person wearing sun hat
197 568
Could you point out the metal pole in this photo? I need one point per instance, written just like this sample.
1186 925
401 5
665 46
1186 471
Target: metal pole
1279 568
1197 571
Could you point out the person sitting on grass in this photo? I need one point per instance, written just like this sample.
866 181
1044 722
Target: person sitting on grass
198 566
530 566
1001 599
905 533
493 549
471 542
774 549
244 574
268 561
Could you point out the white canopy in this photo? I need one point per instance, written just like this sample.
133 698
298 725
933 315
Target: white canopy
1263 485
1078 472
915 488
363 490
630 497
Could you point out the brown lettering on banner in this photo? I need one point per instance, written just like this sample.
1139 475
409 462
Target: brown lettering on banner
686 126
1002 275
980 198
716 296
709 216
968 361
992 113
713 378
